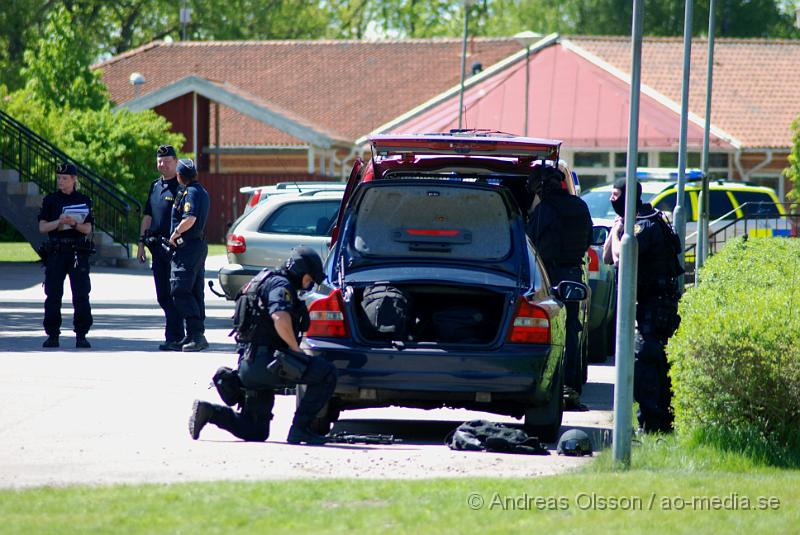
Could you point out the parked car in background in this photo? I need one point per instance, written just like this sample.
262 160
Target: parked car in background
259 194
265 235
440 219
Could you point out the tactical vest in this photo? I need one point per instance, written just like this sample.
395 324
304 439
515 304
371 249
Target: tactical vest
658 270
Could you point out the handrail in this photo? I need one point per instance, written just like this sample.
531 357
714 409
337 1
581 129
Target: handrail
788 216
35 159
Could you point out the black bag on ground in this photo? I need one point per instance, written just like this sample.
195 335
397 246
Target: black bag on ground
229 386
458 324
483 435
387 310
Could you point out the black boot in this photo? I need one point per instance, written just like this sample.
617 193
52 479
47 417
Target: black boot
52 341
82 343
201 414
298 434
171 345
198 344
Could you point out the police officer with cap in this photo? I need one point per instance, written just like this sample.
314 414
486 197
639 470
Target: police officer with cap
285 319
155 228
189 215
560 228
66 218
657 295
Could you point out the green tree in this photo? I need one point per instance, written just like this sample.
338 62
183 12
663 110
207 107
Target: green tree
57 69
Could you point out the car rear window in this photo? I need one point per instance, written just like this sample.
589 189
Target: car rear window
760 204
423 221
310 218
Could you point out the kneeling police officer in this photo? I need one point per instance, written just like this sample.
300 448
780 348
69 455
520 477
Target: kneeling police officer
279 332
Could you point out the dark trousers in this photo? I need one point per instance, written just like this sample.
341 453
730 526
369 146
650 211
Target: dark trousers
573 358
652 388
58 266
161 267
187 285
252 422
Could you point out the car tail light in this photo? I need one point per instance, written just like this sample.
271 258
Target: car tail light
327 317
594 260
531 324
234 243
254 198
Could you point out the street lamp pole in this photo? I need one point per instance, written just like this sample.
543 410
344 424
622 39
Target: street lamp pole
526 39
467 4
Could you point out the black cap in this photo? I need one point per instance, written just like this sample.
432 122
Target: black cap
166 150
186 168
66 168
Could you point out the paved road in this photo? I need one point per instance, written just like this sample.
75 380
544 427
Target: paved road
117 413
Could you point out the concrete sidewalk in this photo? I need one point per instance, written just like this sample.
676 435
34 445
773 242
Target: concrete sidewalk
117 413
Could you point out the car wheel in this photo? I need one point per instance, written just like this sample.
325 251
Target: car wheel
325 418
598 344
544 422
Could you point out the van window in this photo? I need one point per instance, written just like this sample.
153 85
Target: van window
720 204
310 218
667 203
761 204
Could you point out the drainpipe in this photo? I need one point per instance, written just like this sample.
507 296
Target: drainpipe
737 161
340 163
761 165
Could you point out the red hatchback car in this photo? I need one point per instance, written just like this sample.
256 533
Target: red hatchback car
439 219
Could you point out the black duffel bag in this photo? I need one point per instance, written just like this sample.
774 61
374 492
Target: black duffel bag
459 325
387 310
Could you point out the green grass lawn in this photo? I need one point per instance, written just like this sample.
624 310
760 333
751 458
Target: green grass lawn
17 252
694 491
216 249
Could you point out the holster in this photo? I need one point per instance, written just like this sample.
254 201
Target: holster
288 365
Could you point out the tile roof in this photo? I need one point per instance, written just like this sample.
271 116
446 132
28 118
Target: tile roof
755 94
346 87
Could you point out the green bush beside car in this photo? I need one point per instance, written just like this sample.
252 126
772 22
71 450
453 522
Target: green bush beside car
736 357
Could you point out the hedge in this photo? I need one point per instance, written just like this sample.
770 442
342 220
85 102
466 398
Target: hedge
735 361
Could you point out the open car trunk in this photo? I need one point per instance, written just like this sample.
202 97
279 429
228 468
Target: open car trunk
429 313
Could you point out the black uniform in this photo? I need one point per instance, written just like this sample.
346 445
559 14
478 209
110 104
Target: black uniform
188 262
560 228
278 293
657 318
159 205
67 254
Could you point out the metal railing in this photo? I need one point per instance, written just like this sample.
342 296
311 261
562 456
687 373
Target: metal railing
35 159
757 219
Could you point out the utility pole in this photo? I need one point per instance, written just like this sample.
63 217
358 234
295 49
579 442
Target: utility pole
467 5
702 226
680 210
628 263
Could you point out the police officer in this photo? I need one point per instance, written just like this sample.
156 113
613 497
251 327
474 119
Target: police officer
657 295
155 227
187 270
288 317
66 218
560 228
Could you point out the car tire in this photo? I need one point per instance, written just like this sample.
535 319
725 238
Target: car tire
325 418
544 422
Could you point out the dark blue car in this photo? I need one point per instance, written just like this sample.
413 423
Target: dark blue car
483 329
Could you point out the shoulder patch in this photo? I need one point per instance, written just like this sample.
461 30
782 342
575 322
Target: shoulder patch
287 295
187 207
637 228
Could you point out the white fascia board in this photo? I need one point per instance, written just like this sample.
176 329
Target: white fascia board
211 91
649 91
498 67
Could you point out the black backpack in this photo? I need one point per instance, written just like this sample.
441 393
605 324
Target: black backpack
387 310
482 435
248 313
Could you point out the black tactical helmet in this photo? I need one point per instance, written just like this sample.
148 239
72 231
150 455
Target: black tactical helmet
575 443
305 260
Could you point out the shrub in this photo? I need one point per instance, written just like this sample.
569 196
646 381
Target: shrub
736 357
